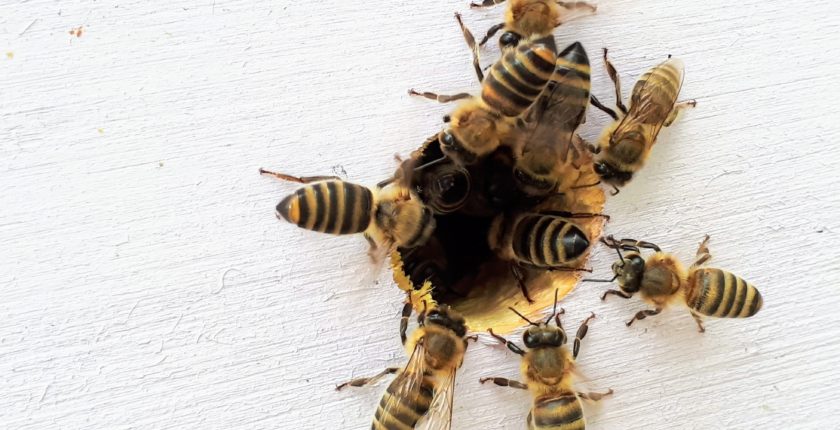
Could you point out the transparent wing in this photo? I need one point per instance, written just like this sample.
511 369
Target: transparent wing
404 390
555 117
653 98
439 416
561 108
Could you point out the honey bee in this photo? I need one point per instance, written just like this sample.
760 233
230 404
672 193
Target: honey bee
389 217
662 280
547 367
524 18
480 125
547 240
552 152
626 143
421 395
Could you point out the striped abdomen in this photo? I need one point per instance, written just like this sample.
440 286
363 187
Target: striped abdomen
656 92
571 82
718 293
335 207
559 412
547 240
518 78
403 411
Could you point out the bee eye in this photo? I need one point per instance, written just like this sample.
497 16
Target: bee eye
601 169
447 139
509 39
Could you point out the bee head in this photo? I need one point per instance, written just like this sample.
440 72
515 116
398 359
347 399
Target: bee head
629 272
446 317
542 334
455 149
608 173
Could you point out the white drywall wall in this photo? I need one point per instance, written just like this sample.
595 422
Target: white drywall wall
145 282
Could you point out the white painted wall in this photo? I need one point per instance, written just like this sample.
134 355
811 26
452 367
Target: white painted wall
145 282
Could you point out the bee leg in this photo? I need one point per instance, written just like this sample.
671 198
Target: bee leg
617 81
581 333
567 214
703 254
520 278
470 39
633 243
486 3
569 269
298 179
441 98
594 184
595 396
406 314
575 10
372 250
679 107
504 382
618 293
359 382
490 33
510 345
643 314
699 320
597 103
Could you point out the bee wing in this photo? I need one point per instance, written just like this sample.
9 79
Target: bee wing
439 416
406 387
561 108
551 125
653 97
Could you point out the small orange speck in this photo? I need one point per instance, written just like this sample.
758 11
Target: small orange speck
78 31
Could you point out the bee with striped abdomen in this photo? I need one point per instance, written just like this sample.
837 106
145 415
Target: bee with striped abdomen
524 18
389 217
479 125
547 367
421 395
662 280
549 241
552 152
625 144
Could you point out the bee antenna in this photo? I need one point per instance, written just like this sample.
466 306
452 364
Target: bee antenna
430 163
523 316
620 257
601 280
557 318
421 319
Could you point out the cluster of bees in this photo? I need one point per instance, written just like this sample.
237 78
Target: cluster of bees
505 204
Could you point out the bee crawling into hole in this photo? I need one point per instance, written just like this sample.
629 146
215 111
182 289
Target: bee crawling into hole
389 217
547 367
662 280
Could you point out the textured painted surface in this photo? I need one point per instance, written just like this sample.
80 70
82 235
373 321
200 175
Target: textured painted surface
145 283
